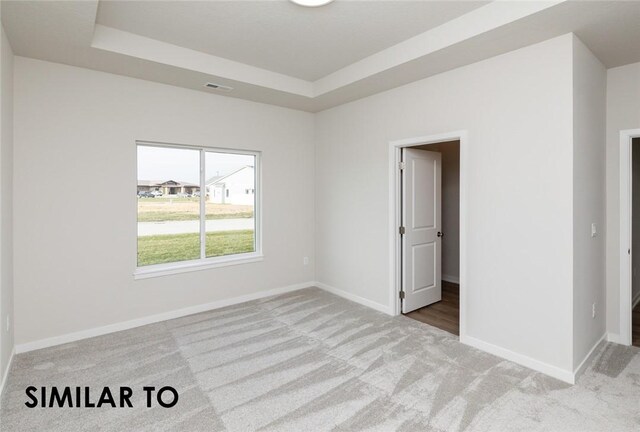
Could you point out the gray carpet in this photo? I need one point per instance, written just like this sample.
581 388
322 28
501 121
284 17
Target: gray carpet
310 361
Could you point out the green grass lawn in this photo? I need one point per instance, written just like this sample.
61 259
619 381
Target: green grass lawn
182 247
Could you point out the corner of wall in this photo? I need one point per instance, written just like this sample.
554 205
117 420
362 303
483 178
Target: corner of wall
6 206
589 201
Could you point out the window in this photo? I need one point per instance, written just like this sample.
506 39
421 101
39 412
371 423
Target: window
192 209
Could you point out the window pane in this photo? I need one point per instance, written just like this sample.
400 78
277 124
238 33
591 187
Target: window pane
168 205
230 201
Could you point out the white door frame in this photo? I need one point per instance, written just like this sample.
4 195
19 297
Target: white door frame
395 221
626 231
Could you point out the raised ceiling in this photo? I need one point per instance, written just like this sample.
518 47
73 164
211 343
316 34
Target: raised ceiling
279 36
310 59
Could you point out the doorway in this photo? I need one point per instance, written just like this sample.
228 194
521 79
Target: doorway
431 248
635 242
429 243
629 311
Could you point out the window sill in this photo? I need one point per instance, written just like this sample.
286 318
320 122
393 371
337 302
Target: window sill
191 266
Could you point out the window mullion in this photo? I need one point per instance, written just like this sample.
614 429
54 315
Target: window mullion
203 207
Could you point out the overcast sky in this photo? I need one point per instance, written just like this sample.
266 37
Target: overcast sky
161 163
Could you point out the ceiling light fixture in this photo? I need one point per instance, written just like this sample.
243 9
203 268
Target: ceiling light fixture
311 3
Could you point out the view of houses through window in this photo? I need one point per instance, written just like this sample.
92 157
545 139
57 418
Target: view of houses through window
183 216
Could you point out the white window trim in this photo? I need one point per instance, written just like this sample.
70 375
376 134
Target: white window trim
205 263
151 271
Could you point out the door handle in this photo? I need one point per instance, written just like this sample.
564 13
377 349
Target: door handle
440 234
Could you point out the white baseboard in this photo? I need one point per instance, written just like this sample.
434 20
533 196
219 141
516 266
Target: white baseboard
5 374
355 298
126 325
547 369
449 278
585 361
615 338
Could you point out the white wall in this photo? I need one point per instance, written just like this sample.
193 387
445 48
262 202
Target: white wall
75 251
6 207
623 112
517 109
450 210
589 102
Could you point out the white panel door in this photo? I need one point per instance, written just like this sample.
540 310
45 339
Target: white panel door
421 219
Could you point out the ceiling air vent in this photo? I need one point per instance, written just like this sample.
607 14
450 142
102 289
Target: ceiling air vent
218 87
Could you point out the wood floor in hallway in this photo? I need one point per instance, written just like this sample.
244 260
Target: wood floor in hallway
635 322
444 314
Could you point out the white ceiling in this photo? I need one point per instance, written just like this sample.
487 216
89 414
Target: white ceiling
279 36
310 59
